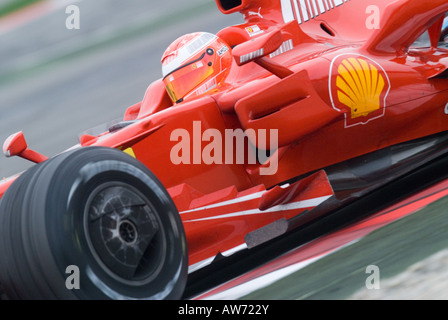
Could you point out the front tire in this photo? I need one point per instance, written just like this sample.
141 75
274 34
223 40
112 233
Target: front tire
97 211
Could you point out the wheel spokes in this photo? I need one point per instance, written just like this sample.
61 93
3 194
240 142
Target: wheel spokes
125 232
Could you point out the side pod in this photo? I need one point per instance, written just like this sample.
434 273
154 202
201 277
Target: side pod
283 106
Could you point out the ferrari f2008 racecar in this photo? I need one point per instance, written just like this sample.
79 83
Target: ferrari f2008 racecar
251 133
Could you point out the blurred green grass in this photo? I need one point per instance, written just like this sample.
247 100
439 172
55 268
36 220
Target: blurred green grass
12 6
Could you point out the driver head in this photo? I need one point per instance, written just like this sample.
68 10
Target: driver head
195 64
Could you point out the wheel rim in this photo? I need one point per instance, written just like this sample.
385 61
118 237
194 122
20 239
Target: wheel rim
124 233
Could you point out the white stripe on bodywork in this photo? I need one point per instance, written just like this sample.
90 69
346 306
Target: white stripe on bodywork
310 10
200 264
316 12
288 15
252 55
304 10
233 201
296 8
285 47
290 206
283 207
206 262
267 279
224 203
321 6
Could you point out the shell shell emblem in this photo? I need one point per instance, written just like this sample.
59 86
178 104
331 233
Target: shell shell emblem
358 87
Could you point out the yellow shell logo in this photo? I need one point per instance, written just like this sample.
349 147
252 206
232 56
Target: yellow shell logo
360 89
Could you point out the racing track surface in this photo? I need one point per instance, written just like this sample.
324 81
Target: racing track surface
55 83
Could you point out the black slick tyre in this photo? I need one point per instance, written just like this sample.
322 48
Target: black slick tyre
91 223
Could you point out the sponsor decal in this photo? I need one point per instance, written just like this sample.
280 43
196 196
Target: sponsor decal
258 13
254 30
358 87
223 50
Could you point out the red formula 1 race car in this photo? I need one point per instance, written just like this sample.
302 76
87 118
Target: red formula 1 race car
252 132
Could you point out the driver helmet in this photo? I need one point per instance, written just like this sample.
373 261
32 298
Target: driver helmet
195 64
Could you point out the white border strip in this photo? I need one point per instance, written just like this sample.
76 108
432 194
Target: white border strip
224 203
283 207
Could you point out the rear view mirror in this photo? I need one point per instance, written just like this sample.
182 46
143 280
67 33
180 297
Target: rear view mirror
258 47
15 145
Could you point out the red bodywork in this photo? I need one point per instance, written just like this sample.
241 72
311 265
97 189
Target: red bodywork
336 88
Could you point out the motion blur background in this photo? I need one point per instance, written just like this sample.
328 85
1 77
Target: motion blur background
56 83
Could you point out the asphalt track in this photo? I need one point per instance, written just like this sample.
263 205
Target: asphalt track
56 83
